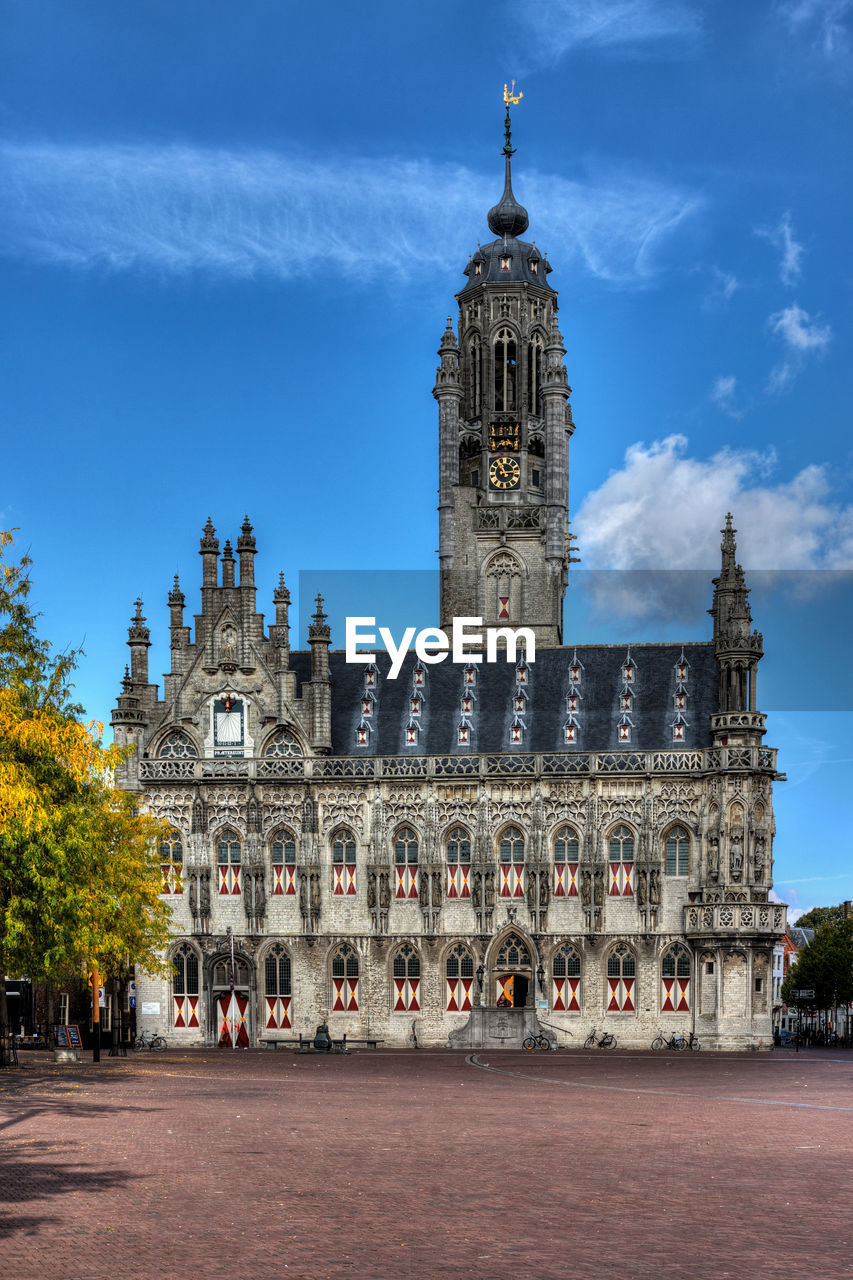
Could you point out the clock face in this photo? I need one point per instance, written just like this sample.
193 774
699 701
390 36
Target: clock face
504 473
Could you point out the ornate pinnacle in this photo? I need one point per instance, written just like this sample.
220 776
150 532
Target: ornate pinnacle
227 553
319 629
246 542
137 632
176 595
209 540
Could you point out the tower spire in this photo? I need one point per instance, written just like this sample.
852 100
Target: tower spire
508 217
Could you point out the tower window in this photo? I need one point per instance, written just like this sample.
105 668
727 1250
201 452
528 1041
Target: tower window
534 374
505 367
535 477
475 478
505 263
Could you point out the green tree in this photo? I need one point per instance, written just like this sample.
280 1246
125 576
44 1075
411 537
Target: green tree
821 915
825 966
79 868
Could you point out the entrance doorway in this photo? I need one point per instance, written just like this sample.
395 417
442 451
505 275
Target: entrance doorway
511 990
231 1005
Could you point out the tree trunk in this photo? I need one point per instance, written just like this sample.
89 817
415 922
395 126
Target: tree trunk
4 1004
116 1020
49 998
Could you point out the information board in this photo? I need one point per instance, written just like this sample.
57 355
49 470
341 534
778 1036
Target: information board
67 1036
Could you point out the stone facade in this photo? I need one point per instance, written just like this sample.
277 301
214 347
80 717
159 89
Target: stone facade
465 852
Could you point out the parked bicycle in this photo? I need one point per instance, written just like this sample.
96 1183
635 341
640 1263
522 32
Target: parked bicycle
607 1041
145 1040
535 1042
692 1042
675 1042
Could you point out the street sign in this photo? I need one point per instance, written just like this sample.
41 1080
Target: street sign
132 1002
804 993
102 999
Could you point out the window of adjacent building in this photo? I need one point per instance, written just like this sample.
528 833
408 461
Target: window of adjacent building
343 864
459 976
406 863
228 861
621 862
566 974
171 862
277 989
284 863
406 981
185 991
345 980
677 852
512 863
621 977
534 375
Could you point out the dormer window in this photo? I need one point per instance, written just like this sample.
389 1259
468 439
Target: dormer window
624 733
516 732
370 677
626 702
681 702
681 671
505 262
570 732
521 673
519 702
417 705
478 268
573 702
411 735
470 675
628 673
464 735
534 266
678 731
467 705
361 735
575 673
418 677
366 706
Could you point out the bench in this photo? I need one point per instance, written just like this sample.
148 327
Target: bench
371 1043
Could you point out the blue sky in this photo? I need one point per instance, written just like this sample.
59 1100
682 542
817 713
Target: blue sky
229 238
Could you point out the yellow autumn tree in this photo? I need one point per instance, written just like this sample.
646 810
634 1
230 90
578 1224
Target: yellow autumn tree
79 869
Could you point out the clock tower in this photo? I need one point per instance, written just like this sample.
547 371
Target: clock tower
504 429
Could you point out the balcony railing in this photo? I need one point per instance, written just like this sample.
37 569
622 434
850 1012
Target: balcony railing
736 918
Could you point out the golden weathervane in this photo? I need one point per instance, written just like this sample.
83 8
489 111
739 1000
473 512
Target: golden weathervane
510 96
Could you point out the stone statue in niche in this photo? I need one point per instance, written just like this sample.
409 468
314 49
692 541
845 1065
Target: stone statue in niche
586 886
714 856
736 855
436 888
384 891
760 856
654 886
371 889
599 886
228 646
641 887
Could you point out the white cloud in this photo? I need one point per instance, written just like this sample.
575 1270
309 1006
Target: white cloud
723 288
177 210
723 395
782 238
825 23
800 330
662 510
802 335
619 25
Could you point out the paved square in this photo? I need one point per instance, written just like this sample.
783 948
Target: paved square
570 1164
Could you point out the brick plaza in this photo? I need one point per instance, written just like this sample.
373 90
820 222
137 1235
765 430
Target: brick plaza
399 1164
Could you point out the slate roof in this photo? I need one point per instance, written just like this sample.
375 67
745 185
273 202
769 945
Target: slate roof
601 685
520 253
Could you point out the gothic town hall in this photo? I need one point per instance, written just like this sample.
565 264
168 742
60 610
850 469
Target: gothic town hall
472 850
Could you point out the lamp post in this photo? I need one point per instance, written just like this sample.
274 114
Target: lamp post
481 973
540 977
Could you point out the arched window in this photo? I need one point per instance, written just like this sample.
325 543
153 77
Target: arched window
345 980
566 856
505 371
512 863
406 863
283 863
459 973
406 981
621 977
677 852
177 746
458 863
475 377
675 979
171 862
566 969
504 588
343 864
513 953
277 992
534 373
228 861
621 853
185 988
282 745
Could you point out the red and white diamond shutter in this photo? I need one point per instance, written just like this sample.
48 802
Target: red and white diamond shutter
228 862
621 977
459 979
566 973
343 865
458 863
566 847
284 864
277 989
406 863
184 1012
512 863
171 862
621 863
232 1025
345 972
458 882
185 989
406 981
675 980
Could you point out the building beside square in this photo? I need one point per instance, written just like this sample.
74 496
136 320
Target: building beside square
471 849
